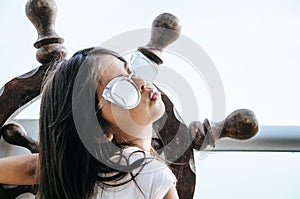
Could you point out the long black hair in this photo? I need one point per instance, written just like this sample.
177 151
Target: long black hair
67 168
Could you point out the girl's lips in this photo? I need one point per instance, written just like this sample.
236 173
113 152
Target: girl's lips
155 95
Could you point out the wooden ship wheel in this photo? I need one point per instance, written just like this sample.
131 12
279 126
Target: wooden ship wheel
17 93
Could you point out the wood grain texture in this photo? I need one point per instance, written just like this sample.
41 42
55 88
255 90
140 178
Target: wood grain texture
42 14
19 92
177 149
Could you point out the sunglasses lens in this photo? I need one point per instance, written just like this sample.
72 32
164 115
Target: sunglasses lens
125 94
142 66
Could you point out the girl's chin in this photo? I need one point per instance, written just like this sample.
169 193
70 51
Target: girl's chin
157 113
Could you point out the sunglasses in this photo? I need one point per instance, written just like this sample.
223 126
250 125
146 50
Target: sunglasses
123 91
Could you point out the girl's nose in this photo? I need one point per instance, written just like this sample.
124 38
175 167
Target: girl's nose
141 83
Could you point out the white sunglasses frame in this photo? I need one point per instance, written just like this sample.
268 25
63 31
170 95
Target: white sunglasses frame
107 92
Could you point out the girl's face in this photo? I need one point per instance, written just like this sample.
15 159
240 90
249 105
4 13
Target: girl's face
134 120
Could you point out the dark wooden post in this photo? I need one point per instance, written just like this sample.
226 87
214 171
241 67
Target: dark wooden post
19 92
42 14
175 135
165 30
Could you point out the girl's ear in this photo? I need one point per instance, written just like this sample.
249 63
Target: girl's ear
109 136
105 138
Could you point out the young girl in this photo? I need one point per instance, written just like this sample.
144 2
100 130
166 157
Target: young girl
96 128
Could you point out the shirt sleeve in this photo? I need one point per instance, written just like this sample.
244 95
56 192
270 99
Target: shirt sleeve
165 179
156 179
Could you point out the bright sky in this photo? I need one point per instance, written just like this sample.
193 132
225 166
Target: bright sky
255 45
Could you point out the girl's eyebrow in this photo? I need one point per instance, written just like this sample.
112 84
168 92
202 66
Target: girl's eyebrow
125 63
126 66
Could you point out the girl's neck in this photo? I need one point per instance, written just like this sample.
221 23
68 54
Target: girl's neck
144 144
139 137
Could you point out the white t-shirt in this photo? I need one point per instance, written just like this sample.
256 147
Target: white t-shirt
152 182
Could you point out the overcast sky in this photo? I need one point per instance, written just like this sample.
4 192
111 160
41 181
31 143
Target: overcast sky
255 45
